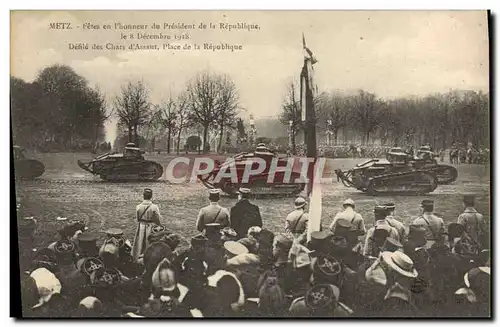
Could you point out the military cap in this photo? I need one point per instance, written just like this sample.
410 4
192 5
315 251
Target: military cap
198 240
261 144
148 191
105 277
87 243
243 190
327 269
89 265
235 248
319 241
469 198
348 202
214 191
65 251
427 202
157 229
391 245
322 296
114 232
380 210
390 206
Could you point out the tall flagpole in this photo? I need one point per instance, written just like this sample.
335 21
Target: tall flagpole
313 188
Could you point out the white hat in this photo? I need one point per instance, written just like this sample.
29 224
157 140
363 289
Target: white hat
474 272
47 285
348 201
400 263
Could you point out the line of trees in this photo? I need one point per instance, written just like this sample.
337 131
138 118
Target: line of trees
210 101
58 110
438 119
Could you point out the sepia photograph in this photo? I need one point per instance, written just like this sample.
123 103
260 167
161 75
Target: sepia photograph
250 164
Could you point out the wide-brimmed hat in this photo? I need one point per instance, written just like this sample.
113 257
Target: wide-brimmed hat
47 285
243 190
391 245
164 276
299 202
322 296
476 276
65 251
235 248
400 263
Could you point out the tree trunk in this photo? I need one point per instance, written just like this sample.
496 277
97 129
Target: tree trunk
220 138
153 141
294 144
335 135
135 136
169 139
367 137
130 134
179 139
205 136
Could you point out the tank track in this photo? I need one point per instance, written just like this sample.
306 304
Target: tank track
412 182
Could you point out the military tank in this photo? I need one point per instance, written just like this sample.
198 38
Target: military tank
25 168
127 166
280 185
378 176
424 160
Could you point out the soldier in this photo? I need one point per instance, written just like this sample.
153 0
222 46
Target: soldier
296 221
433 224
147 215
354 218
322 300
213 213
376 236
244 214
473 221
394 222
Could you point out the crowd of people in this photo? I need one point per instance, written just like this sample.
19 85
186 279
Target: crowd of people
236 267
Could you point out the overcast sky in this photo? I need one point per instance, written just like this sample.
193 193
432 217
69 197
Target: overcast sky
390 53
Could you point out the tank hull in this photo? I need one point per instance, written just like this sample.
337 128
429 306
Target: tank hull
28 168
111 169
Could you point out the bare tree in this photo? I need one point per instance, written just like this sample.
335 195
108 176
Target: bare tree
290 112
182 120
227 106
168 118
133 107
204 93
365 113
332 110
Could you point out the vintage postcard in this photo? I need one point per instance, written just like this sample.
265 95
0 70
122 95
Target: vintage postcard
204 164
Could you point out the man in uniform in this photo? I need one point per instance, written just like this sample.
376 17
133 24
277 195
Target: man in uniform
147 215
354 218
434 225
244 214
213 213
473 221
390 207
296 221
376 236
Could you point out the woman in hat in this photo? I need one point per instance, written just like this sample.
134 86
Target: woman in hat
147 215
401 275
